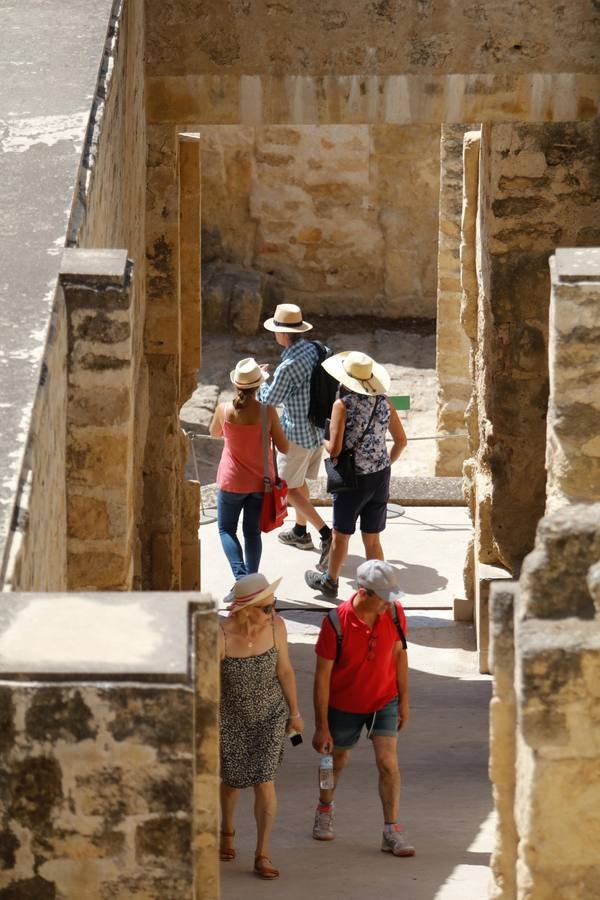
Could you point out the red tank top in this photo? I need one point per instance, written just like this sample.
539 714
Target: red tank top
241 465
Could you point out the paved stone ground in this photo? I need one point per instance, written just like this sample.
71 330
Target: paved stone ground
446 802
408 356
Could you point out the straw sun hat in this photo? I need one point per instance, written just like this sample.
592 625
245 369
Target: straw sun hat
288 317
358 372
249 591
247 374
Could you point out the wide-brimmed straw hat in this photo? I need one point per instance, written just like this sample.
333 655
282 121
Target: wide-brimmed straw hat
358 372
250 590
288 317
247 374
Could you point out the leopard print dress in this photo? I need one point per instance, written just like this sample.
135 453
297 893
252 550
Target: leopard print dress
253 717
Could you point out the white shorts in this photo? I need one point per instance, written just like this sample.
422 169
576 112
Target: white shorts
298 464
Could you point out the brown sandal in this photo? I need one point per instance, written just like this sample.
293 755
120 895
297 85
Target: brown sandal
226 853
263 868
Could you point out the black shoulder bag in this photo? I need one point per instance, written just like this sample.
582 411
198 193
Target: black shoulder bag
341 471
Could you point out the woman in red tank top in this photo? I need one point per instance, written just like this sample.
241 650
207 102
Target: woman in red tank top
240 472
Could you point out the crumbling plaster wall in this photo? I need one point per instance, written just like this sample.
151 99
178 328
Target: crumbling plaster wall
342 218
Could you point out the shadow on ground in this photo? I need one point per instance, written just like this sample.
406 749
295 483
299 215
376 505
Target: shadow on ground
445 801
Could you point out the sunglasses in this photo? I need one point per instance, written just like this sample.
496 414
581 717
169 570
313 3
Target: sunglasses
268 609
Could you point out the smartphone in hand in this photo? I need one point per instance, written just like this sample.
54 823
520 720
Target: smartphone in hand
327 426
295 739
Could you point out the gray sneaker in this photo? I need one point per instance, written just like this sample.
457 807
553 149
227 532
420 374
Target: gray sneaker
291 539
324 558
322 583
397 843
323 827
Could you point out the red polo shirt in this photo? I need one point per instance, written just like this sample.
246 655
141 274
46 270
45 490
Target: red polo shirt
359 684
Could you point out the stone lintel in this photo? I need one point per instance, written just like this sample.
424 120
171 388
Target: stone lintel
117 636
189 135
100 267
576 264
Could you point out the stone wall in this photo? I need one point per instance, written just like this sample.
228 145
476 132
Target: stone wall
573 429
38 559
538 189
97 792
342 218
107 212
389 62
108 748
545 731
452 345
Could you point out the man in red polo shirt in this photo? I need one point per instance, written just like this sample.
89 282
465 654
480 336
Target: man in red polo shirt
365 683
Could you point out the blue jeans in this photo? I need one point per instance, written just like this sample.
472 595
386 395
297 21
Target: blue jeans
229 507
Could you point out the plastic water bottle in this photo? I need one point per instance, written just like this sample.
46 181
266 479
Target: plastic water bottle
326 772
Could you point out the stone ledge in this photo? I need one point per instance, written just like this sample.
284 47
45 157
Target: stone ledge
434 490
108 637
97 266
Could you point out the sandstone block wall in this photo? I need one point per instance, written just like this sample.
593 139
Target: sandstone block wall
538 189
38 559
257 63
107 212
573 429
97 792
108 748
341 218
452 344
548 848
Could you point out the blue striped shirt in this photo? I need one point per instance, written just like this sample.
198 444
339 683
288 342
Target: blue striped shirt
290 388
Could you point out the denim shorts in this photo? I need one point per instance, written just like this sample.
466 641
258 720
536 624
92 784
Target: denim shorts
369 501
346 727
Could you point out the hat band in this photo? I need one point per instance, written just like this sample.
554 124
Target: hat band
240 600
288 324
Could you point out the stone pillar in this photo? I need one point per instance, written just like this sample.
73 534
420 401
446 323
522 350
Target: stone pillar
172 346
573 427
452 349
206 757
190 312
97 719
539 189
503 728
557 643
97 286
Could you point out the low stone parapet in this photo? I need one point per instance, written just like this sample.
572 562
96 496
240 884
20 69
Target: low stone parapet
108 716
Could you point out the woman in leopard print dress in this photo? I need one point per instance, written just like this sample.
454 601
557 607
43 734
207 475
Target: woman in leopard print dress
258 707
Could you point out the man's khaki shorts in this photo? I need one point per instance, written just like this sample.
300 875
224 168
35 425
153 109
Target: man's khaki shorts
298 464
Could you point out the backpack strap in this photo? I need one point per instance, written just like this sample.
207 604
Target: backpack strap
334 618
396 619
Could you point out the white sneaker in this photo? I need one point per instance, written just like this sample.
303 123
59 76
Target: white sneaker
397 843
323 827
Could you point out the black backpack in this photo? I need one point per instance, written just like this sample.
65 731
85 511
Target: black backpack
334 618
323 388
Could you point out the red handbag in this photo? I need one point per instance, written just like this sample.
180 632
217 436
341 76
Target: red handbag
274 506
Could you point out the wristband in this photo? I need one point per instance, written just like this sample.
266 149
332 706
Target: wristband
295 716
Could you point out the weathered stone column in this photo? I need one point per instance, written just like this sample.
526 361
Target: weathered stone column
557 650
206 756
452 346
503 734
539 189
573 427
190 312
97 286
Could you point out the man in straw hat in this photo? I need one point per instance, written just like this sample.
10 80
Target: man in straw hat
361 680
360 420
290 388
